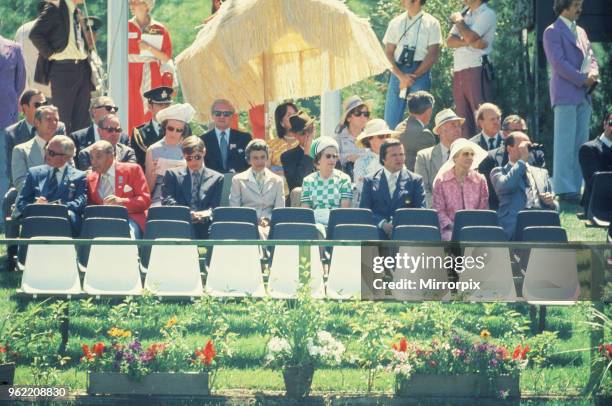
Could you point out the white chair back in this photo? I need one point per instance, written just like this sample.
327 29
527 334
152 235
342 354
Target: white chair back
235 270
174 270
284 273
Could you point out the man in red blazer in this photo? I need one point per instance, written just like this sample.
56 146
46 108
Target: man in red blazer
118 183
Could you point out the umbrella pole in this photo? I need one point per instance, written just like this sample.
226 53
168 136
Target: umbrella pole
264 67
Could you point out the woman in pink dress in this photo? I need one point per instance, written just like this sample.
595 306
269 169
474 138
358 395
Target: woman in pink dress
458 186
149 67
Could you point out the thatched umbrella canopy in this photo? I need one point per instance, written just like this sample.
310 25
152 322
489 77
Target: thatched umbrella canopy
255 51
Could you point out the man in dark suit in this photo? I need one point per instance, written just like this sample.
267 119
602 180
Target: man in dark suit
109 129
225 146
596 156
148 134
62 60
100 108
392 187
499 156
488 117
519 185
415 136
194 186
56 182
297 162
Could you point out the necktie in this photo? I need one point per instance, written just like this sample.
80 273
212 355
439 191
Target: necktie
223 148
105 188
492 143
533 200
259 178
573 29
53 184
392 183
32 132
195 189
77 30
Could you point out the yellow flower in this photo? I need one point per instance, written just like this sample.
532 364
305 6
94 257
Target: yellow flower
485 334
119 333
171 322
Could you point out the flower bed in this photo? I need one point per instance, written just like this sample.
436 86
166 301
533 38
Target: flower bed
156 383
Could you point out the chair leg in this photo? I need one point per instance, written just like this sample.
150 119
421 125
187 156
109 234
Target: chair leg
542 321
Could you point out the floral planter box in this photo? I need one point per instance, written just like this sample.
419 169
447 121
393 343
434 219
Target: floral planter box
7 374
469 386
157 383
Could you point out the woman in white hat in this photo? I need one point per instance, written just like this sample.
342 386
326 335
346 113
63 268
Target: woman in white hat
174 122
375 133
458 185
353 120
327 188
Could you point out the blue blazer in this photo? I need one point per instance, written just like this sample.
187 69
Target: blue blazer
409 193
71 191
509 182
176 189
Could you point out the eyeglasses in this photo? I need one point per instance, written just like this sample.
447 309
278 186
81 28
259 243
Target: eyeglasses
219 113
190 158
110 109
53 154
366 114
117 130
174 129
331 156
38 104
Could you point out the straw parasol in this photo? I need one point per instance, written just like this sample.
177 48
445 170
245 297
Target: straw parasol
256 51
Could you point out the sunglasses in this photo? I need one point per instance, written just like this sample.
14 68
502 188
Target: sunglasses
38 104
190 158
366 114
110 109
174 129
117 130
218 113
331 156
53 154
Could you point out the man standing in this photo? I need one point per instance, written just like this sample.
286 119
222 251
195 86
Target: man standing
225 146
414 134
391 188
12 80
472 40
520 186
194 186
57 182
117 183
412 45
488 117
430 160
574 73
596 156
100 107
109 129
62 60
147 134
297 162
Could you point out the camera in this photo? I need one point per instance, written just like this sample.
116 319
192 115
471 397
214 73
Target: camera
407 56
535 147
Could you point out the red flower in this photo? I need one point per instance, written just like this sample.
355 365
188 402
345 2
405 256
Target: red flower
98 349
520 352
155 349
206 354
2 349
86 353
525 351
433 363
605 349
402 346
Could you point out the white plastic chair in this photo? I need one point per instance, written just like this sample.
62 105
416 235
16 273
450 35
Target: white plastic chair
235 271
113 270
284 276
551 277
344 278
496 282
51 269
174 270
421 273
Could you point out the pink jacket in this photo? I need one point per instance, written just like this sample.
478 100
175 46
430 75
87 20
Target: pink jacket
449 196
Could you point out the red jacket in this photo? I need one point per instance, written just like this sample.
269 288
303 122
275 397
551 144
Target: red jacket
139 197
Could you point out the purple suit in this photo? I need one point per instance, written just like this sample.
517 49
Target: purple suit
12 80
565 55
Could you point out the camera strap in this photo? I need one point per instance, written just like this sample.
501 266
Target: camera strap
406 29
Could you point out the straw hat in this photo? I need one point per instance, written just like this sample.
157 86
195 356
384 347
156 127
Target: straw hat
300 121
374 127
351 103
321 143
445 116
181 112
460 143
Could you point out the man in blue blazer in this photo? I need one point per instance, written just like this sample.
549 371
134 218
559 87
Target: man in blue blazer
392 187
520 186
56 182
194 186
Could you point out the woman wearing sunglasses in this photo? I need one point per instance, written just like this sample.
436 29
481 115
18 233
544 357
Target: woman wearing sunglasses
352 122
167 152
285 139
327 188
375 133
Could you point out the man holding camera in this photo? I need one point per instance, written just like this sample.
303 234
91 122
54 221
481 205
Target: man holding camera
472 40
574 76
412 45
